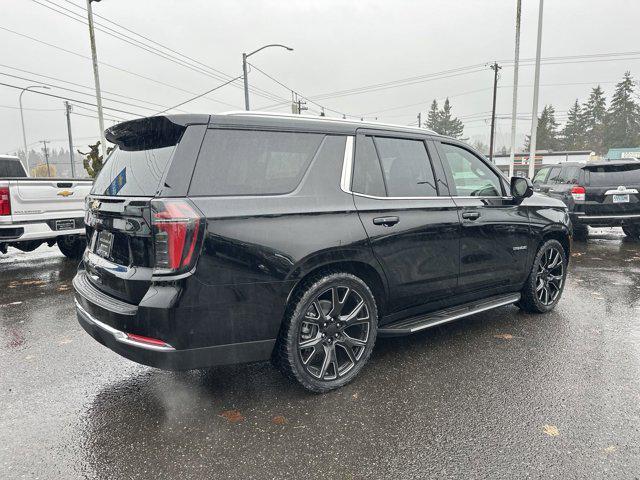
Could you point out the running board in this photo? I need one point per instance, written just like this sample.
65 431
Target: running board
415 324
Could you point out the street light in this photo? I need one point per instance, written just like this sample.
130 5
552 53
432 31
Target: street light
24 134
244 69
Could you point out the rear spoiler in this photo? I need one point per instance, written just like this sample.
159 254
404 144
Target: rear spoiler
152 132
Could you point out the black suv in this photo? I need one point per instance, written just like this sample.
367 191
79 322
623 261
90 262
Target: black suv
600 194
242 237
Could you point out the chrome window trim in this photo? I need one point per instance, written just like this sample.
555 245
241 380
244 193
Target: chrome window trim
347 173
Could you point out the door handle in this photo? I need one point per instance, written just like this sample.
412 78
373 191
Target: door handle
386 221
471 215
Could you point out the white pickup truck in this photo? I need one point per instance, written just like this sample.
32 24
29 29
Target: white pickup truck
34 211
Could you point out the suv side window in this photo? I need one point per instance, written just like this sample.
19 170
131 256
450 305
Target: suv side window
406 167
554 176
471 176
367 174
252 162
541 175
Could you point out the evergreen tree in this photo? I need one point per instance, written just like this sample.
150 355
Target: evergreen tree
593 117
433 117
547 132
93 159
573 136
450 125
622 125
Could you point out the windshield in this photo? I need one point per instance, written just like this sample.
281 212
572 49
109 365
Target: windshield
133 173
613 175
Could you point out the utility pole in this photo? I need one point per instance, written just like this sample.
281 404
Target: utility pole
67 108
534 109
96 78
514 107
246 81
495 67
420 120
46 156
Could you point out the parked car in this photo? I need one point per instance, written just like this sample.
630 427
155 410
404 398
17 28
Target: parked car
598 194
242 237
34 211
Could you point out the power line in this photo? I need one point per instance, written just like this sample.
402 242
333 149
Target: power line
71 52
202 94
150 49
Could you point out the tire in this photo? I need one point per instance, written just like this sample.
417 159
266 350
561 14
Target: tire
580 232
314 342
545 285
632 231
71 246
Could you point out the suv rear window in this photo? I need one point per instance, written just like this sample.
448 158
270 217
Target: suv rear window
251 162
132 173
613 175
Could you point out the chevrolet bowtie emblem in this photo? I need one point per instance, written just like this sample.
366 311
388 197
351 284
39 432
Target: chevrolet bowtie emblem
65 193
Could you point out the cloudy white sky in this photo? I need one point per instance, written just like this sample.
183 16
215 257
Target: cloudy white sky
339 45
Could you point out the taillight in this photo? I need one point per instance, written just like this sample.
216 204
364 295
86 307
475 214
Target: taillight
177 228
5 201
577 193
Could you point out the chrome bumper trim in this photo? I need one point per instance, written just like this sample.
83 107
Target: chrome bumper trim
119 335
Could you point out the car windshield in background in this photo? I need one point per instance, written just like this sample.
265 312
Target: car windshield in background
614 175
11 168
133 173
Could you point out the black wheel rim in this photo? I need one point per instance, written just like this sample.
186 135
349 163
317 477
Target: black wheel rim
334 332
550 276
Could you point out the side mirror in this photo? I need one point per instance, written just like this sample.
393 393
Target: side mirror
521 187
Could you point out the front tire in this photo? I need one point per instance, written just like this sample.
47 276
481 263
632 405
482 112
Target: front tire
632 231
71 246
545 283
328 332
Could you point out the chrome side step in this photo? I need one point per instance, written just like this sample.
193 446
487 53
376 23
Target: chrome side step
415 324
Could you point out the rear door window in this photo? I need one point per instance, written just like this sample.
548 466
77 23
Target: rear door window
367 173
250 162
541 176
554 176
406 167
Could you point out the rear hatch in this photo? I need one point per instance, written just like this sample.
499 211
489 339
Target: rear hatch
612 188
132 236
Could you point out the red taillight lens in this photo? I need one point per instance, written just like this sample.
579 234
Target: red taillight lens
5 201
147 340
578 193
176 230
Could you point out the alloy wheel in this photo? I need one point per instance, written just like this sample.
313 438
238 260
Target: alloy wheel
550 276
334 332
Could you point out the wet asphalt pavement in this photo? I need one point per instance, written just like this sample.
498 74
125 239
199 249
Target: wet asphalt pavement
497 395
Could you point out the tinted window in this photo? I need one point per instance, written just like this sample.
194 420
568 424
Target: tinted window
406 167
554 176
541 175
367 175
132 173
245 162
471 176
11 168
613 175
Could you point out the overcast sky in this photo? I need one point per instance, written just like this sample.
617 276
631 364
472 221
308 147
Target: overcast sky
339 45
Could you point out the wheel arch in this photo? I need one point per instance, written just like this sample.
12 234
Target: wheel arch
560 233
369 274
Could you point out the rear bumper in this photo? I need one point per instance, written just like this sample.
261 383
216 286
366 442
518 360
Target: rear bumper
96 317
604 220
20 232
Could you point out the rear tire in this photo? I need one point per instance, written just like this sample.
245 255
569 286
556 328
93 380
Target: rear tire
632 231
545 283
328 332
71 246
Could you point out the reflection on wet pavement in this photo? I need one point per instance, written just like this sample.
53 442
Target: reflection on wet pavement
498 395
